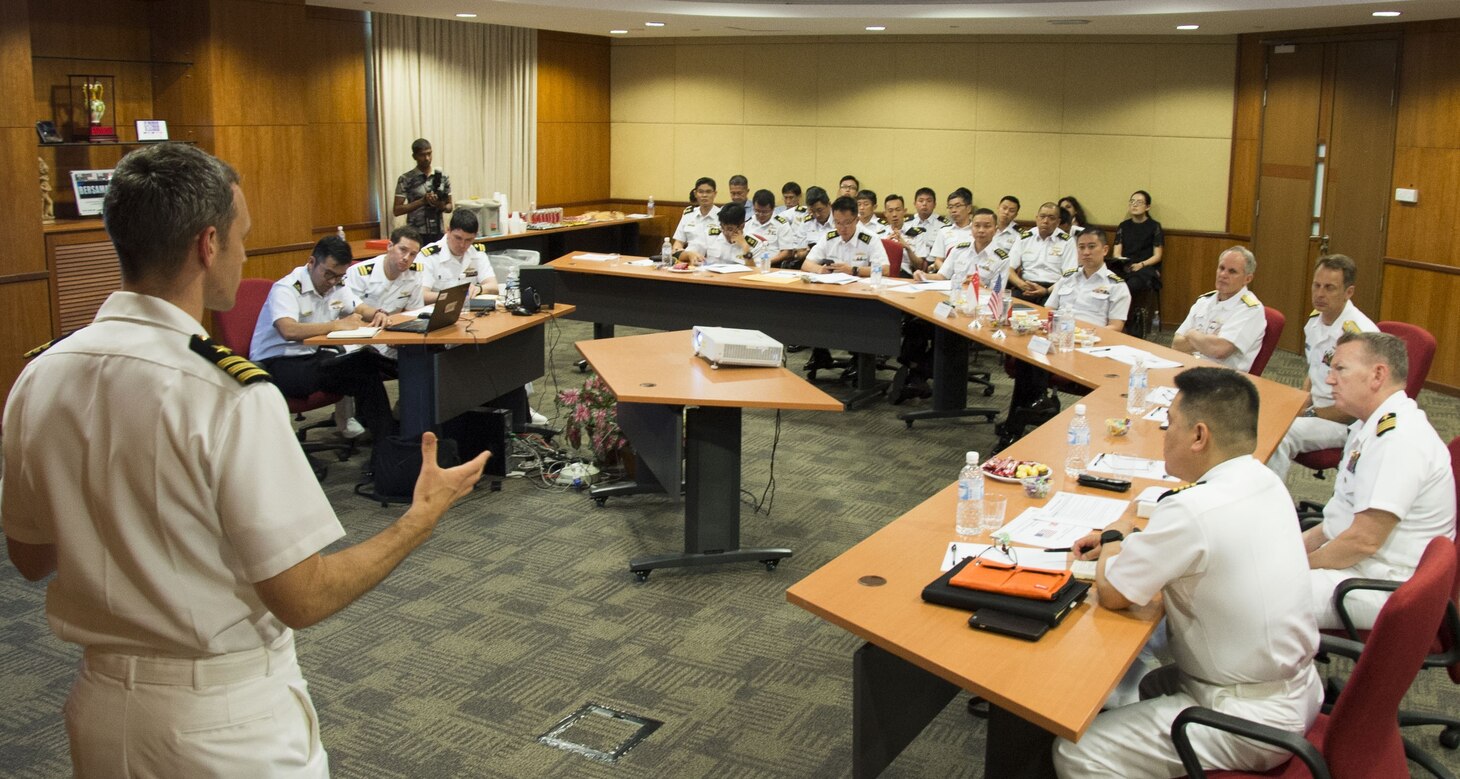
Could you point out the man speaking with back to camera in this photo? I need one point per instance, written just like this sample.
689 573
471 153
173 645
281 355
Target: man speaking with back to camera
157 476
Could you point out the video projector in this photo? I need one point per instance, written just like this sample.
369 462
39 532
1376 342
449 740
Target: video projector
729 346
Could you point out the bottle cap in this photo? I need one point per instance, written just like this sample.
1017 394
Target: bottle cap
1079 409
971 458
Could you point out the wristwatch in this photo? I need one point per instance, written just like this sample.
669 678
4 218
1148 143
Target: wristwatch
1111 536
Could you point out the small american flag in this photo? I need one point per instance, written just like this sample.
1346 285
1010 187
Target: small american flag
996 298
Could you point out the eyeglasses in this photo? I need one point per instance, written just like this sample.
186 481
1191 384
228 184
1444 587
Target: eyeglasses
1002 545
332 278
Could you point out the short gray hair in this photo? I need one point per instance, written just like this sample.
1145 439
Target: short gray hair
1382 348
161 197
1248 258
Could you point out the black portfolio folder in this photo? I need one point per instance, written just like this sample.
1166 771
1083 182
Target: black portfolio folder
1049 611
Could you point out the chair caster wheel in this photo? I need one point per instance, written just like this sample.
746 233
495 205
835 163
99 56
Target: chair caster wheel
908 422
599 502
988 392
770 565
642 576
1450 737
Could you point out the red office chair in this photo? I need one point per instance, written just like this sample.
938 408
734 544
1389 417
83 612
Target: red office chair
894 257
1360 739
234 329
1275 323
1420 346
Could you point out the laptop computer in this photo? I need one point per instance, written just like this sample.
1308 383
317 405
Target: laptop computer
447 311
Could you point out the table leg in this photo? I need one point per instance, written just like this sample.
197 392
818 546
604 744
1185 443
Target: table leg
866 385
892 701
950 382
1016 748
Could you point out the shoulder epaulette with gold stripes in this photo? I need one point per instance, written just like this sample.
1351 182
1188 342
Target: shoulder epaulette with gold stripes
242 371
480 246
1350 326
1313 313
1175 490
430 250
1251 300
37 351
417 267
364 268
864 237
1386 423
1206 294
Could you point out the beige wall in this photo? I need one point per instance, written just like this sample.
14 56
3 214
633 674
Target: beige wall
999 116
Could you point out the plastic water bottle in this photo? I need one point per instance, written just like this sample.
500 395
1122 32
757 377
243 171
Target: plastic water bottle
763 260
1078 439
876 275
1064 322
1137 387
666 251
340 231
650 209
1155 322
511 296
970 497
956 290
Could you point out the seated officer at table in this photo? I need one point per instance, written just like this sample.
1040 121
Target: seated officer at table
1226 325
790 201
390 282
1040 256
774 233
1007 232
1394 491
845 249
1224 553
867 216
916 242
699 217
312 301
725 244
811 228
457 259
1323 426
1096 296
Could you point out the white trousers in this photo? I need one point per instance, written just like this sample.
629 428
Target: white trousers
1362 605
1307 434
1134 742
246 714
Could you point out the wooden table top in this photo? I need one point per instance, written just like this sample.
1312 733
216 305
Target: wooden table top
359 251
469 329
621 267
662 368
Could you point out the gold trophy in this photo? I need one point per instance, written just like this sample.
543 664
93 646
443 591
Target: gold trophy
92 92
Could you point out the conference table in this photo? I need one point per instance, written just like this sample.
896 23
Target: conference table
450 371
677 409
607 235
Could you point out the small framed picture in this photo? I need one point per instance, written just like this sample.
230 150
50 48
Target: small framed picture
151 130
47 132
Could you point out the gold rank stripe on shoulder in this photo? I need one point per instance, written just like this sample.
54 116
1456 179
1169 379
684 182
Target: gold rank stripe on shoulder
1251 300
1385 424
299 287
39 350
964 245
430 250
1114 277
1313 313
750 240
863 237
1069 272
830 234
1206 294
480 246
1350 326
417 267
688 209
364 268
1025 233
781 219
713 231
242 371
1001 254
913 232
1175 490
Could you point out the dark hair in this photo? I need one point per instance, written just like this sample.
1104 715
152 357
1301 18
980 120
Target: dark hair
1093 232
963 194
844 204
988 211
1225 400
1079 215
1011 199
705 180
891 198
1342 263
791 187
1147 195
739 179
732 214
867 194
763 197
332 247
404 231
462 219
925 191
419 145
1382 348
161 198
851 178
816 195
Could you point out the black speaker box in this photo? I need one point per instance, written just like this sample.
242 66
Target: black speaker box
479 430
542 279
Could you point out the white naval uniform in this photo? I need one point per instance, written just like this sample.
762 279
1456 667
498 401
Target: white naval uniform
813 232
1007 237
1310 434
168 487
932 224
1227 557
1098 298
1393 461
694 224
716 249
860 252
878 227
773 236
1238 320
294 297
443 270
991 263
948 237
375 289
1043 260
922 239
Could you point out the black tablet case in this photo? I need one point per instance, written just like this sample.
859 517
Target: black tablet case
1049 611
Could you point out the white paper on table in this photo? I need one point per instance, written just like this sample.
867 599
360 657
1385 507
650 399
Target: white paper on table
1027 556
358 332
1150 494
1034 529
637 216
1085 511
416 312
1161 396
933 286
1125 465
729 267
1128 354
831 278
890 283
1160 414
644 263
595 256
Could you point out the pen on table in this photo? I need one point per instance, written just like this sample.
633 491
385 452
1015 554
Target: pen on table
1060 549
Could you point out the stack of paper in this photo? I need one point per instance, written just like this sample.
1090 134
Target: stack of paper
1025 556
358 332
1064 520
830 278
1127 466
1128 354
729 267
594 256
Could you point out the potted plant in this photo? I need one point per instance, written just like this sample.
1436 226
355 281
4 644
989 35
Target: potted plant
592 420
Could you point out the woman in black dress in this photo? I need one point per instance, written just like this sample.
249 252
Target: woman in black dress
1139 241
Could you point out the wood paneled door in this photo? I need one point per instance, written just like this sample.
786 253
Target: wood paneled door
1327 152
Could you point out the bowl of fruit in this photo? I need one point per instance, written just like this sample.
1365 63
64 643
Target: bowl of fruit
1008 469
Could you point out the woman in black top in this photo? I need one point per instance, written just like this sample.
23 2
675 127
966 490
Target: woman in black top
1072 215
1139 241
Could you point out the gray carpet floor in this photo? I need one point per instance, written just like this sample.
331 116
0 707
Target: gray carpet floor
521 609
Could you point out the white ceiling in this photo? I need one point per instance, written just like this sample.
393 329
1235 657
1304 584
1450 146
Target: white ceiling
687 18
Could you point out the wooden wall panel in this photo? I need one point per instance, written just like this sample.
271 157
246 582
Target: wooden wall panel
267 159
1429 94
573 131
259 51
1426 298
1188 269
336 141
1246 135
28 317
1425 231
27 304
114 29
